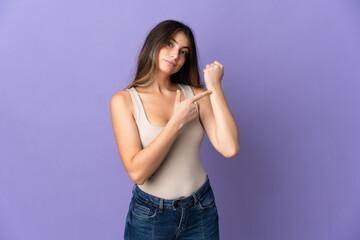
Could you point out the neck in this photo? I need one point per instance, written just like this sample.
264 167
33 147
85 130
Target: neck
162 83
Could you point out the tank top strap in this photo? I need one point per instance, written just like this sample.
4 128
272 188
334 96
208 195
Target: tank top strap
139 110
188 93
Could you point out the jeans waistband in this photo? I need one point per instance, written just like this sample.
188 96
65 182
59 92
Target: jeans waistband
162 203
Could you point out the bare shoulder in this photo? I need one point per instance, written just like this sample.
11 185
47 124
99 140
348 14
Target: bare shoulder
123 95
121 101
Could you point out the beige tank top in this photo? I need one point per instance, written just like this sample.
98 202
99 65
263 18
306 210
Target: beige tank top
181 173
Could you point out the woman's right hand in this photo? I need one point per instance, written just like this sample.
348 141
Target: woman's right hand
185 111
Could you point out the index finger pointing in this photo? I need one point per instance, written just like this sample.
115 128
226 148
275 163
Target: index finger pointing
200 95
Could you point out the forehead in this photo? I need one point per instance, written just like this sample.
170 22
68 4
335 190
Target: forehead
181 39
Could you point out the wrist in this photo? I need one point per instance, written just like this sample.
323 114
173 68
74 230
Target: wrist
175 123
214 87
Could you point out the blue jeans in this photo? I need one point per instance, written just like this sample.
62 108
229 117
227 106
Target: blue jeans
193 217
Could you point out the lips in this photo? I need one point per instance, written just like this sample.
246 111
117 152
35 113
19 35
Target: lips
171 63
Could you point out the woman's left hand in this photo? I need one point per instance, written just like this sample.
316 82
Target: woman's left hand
213 74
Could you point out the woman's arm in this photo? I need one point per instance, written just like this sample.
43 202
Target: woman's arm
140 163
215 115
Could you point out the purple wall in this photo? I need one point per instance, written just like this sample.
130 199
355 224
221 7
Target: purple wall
292 71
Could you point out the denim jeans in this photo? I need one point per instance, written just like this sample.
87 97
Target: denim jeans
193 217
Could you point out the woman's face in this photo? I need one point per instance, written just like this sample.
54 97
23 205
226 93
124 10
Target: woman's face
173 55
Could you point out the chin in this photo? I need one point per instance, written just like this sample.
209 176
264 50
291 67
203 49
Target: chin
167 71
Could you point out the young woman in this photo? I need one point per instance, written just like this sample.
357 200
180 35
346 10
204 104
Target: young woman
159 122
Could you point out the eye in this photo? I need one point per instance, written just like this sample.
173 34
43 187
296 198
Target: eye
184 53
170 44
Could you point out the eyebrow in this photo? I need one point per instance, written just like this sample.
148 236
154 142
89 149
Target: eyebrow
177 43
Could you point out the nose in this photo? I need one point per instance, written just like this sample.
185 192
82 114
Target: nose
174 53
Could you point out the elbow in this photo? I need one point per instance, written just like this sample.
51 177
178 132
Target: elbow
137 178
135 173
139 182
232 152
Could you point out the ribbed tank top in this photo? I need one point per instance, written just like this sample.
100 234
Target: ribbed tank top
181 173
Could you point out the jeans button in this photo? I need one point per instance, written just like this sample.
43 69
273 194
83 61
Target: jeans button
176 204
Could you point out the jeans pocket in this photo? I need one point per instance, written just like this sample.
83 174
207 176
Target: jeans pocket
206 201
142 210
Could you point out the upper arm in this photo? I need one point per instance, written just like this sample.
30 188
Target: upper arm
207 117
125 129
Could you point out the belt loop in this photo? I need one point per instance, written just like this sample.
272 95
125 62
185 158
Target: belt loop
161 205
133 188
195 199
173 204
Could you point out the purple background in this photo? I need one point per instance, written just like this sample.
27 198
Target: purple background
292 71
